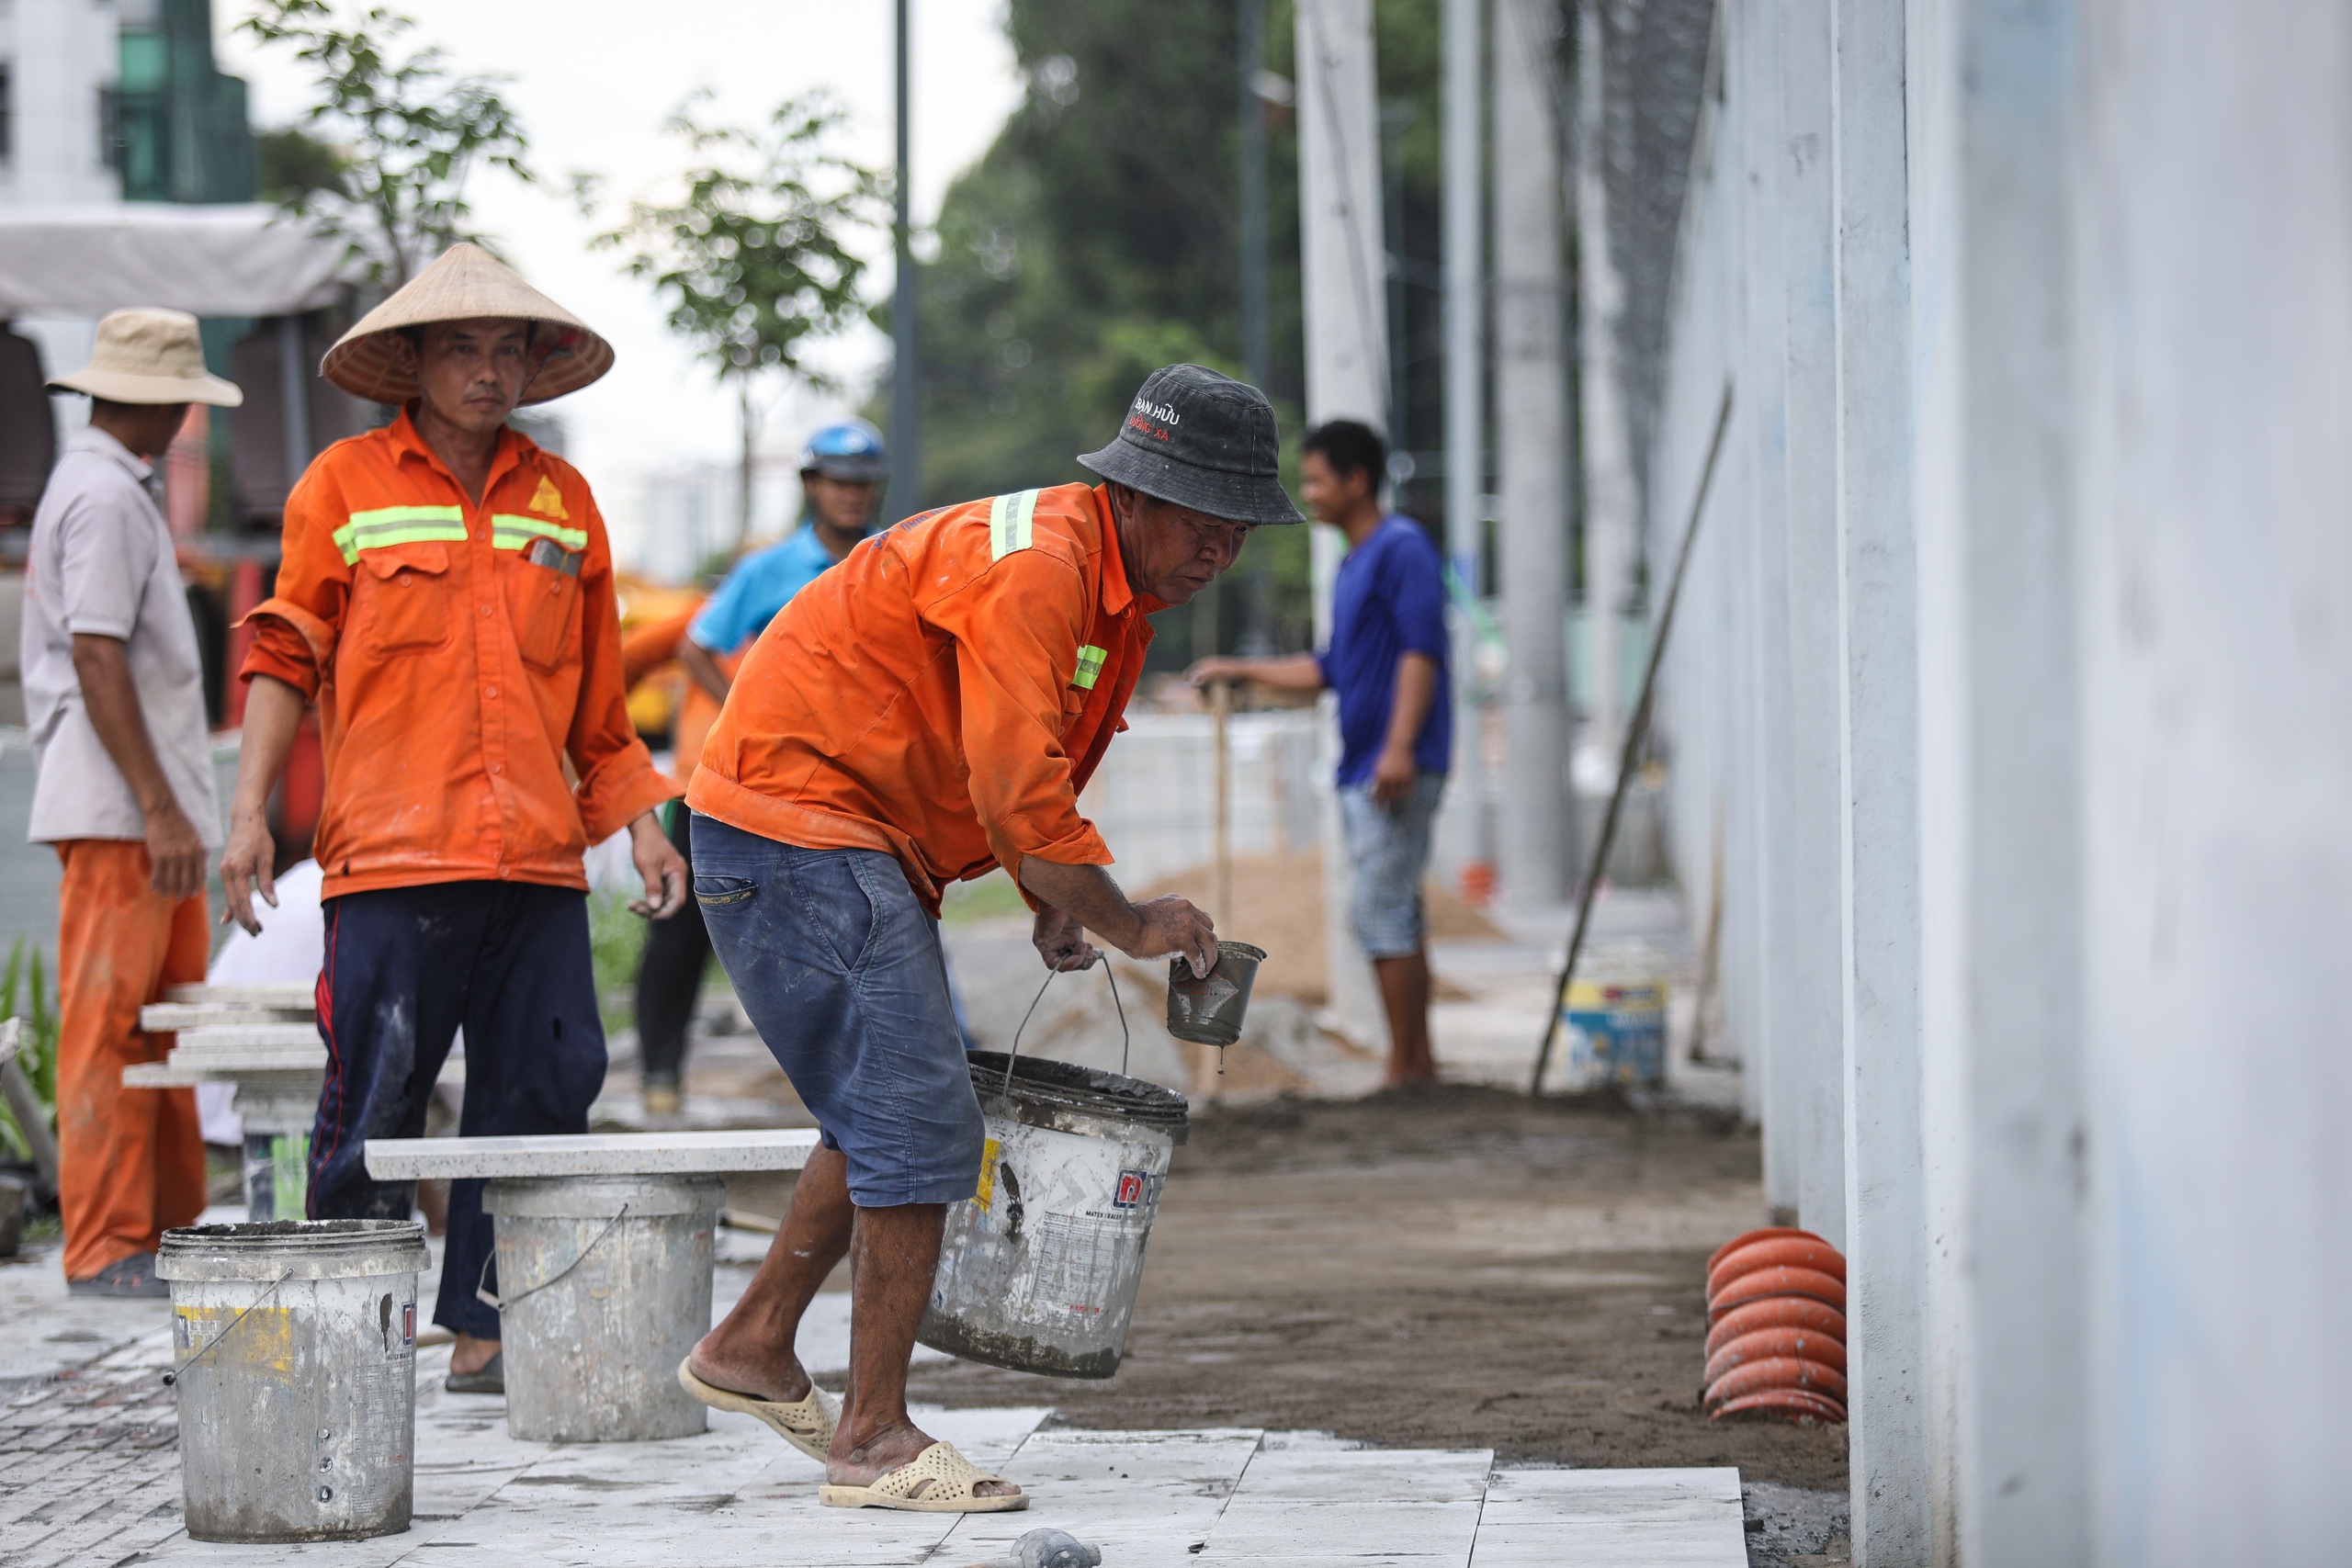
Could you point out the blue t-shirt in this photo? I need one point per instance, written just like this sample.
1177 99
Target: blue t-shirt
1389 600
761 586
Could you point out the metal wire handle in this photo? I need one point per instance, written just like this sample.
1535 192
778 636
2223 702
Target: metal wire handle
499 1304
1127 1036
213 1344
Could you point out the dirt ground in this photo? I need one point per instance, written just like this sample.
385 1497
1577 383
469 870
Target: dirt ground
1450 1268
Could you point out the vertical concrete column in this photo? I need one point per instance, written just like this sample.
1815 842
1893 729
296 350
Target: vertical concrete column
1344 270
1531 439
2214 389
1887 1211
1611 497
1809 403
2001 819
1463 835
1753 30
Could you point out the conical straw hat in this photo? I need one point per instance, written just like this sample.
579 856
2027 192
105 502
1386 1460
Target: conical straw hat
466 282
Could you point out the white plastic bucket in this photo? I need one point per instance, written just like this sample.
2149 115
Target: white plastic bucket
295 1362
1039 1267
1616 1022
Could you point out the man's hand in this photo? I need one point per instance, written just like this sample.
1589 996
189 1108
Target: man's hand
175 851
663 867
1393 775
1060 940
1084 895
1291 672
246 869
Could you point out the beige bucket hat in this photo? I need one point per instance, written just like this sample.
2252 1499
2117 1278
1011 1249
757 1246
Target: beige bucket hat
466 282
149 357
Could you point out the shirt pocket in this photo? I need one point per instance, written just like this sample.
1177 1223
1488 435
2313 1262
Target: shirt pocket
401 595
543 607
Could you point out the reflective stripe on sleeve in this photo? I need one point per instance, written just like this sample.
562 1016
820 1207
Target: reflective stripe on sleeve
1090 666
390 525
1010 519
512 531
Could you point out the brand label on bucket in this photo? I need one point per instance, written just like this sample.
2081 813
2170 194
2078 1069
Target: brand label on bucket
408 1323
1130 1190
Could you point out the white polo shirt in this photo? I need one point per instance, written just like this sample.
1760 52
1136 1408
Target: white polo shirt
101 563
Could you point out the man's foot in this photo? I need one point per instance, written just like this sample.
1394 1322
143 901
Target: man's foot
125 1279
781 1380
489 1377
862 1464
663 1098
473 1354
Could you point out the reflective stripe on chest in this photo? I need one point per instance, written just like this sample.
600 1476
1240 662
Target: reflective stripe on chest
512 531
390 525
1012 524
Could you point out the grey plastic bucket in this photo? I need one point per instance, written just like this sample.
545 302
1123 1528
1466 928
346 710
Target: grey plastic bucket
294 1356
603 1286
1207 1008
1039 1267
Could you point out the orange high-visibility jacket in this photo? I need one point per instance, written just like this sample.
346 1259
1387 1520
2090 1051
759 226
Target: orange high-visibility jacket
458 654
942 695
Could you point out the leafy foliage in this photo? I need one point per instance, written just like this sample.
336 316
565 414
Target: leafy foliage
415 132
1099 237
753 258
23 993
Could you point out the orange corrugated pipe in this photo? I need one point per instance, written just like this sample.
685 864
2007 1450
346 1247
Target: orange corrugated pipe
1776 1340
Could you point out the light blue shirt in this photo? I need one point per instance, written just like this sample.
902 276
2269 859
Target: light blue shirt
759 588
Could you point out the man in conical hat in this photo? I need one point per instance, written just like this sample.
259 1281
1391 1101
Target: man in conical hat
446 599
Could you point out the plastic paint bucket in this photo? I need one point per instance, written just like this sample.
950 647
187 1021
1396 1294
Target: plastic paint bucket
1208 1010
294 1355
1616 1029
1039 1267
605 1286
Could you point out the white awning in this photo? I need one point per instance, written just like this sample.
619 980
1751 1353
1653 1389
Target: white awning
243 260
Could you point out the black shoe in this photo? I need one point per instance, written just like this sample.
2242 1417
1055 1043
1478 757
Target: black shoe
125 1279
492 1379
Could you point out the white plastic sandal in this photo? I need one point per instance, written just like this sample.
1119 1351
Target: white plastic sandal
806 1424
953 1489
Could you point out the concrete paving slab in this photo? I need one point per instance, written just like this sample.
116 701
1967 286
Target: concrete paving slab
591 1154
250 994
1611 1518
1147 1499
223 1039
1413 1508
164 1017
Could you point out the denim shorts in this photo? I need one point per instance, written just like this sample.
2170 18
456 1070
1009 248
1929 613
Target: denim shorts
840 970
1388 853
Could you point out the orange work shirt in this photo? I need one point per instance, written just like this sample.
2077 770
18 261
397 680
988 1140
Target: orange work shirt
942 694
457 661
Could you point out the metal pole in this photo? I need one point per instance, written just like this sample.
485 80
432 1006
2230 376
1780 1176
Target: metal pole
1465 370
1252 54
1221 900
905 409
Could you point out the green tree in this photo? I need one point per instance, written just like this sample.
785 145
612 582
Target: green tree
412 133
753 258
1099 237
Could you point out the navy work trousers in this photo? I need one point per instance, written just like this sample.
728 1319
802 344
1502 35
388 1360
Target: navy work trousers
404 967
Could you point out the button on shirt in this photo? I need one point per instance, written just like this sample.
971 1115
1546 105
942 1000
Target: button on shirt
460 652
101 563
761 583
943 696
1387 601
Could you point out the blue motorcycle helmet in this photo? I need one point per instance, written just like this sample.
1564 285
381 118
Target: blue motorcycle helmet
851 451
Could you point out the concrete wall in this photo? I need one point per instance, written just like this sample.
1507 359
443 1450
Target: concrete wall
2007 721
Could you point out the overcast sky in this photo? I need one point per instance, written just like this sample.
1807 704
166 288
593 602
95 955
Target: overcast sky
593 80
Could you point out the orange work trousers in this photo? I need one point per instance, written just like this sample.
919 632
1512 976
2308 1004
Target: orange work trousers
130 1161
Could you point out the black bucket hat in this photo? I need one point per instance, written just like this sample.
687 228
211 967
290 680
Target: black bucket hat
1200 440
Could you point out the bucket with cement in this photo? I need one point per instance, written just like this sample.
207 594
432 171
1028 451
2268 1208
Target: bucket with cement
603 1288
1039 1267
1616 1019
294 1355
1207 1008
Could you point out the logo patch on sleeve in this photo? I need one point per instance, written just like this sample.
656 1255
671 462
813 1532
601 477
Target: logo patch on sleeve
1089 667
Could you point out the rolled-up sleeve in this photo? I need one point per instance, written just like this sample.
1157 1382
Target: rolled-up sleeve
296 629
1017 628
617 781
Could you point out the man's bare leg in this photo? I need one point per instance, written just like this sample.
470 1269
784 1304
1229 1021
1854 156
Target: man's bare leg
894 1253
752 1350
1405 994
